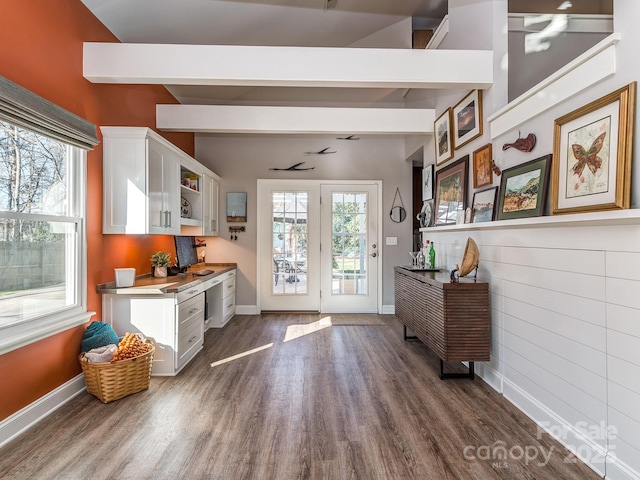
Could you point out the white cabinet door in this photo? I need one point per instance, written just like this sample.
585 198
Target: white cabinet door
211 188
163 194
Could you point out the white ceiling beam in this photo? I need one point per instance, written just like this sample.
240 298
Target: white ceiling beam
283 120
286 66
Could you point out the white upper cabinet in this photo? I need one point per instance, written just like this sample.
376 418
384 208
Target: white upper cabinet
151 186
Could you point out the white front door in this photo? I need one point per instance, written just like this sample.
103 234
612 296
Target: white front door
350 252
310 261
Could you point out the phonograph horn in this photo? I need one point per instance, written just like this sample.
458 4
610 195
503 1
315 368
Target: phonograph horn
470 258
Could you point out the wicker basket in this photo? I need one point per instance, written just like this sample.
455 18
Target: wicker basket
112 381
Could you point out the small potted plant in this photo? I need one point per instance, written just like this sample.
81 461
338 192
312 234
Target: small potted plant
160 261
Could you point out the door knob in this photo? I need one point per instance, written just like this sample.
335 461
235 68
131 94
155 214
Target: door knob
374 254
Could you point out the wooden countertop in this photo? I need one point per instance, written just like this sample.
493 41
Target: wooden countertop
151 285
440 278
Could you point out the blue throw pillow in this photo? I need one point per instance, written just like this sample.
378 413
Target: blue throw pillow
98 334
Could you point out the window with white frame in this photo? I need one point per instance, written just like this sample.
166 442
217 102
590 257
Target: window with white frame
42 219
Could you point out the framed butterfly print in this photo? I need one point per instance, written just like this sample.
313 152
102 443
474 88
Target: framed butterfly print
592 155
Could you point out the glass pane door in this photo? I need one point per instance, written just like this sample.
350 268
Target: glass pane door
289 239
349 245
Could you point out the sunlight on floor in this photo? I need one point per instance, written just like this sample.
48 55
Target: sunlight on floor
297 331
240 355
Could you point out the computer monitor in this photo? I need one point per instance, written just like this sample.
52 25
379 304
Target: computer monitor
186 253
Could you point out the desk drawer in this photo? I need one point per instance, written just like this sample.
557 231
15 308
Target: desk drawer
190 341
229 287
188 293
194 307
228 306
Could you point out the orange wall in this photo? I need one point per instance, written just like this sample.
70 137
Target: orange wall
42 51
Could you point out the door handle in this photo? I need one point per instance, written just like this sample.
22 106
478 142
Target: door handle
374 254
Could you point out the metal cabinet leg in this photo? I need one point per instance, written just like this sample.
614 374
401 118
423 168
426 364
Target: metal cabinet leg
470 374
408 337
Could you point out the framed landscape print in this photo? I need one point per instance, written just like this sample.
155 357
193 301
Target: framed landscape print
443 138
482 172
483 205
523 189
427 183
467 119
451 191
593 150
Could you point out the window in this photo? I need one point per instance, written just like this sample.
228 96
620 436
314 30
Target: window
42 218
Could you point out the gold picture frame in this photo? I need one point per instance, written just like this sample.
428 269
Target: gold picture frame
593 154
467 119
443 138
482 172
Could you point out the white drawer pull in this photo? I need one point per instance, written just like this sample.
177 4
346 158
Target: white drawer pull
230 305
195 337
229 286
194 310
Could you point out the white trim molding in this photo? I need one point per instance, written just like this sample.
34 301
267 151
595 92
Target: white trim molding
593 66
439 34
306 120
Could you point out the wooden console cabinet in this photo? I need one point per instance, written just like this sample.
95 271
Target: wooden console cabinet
452 319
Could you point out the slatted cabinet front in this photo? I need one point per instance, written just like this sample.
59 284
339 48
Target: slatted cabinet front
452 319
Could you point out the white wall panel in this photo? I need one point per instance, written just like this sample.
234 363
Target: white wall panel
628 430
623 373
565 306
573 329
567 371
579 261
623 292
579 284
623 346
561 407
623 265
626 402
585 309
623 319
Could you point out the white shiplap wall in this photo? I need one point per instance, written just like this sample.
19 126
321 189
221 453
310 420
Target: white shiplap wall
566 327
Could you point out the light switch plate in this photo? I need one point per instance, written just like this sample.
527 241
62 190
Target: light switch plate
391 240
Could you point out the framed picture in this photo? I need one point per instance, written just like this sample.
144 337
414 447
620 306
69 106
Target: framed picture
482 173
236 206
427 183
483 205
523 189
443 137
592 151
451 191
467 119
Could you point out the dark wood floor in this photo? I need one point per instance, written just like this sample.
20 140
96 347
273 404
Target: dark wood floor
309 401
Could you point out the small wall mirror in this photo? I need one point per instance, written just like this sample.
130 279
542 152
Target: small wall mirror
397 214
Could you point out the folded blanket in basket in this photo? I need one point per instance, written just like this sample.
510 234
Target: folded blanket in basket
101 354
98 334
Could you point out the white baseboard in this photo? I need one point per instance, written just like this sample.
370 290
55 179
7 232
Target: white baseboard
17 423
492 377
575 441
388 310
